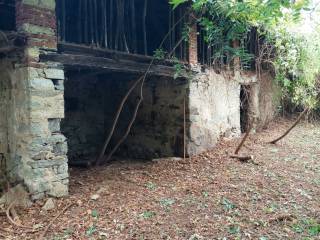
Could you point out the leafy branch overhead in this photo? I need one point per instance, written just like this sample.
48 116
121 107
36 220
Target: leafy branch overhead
293 57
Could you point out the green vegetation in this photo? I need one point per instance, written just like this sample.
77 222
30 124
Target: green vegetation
293 57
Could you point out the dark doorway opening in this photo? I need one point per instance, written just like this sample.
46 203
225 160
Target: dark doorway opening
244 107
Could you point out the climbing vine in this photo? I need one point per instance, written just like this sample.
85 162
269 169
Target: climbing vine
294 58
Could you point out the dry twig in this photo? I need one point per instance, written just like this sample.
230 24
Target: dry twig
54 219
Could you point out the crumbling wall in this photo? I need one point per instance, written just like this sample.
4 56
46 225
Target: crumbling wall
158 130
33 105
265 98
34 149
214 105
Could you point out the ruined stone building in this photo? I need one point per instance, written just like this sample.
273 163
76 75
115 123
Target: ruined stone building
65 66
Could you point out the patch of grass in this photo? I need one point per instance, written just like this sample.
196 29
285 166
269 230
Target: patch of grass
167 202
227 204
263 238
91 230
314 230
94 213
234 229
151 186
271 208
66 235
308 226
205 194
297 228
147 214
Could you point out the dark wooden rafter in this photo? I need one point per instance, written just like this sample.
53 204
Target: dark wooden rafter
75 57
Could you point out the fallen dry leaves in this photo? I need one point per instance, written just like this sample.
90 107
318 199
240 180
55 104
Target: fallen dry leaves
210 196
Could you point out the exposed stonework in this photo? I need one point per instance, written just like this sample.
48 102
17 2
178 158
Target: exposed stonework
264 101
214 105
158 130
31 142
34 155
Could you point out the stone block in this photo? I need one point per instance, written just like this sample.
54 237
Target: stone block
47 4
34 29
32 53
47 107
63 168
57 138
47 163
60 148
53 73
42 84
62 176
54 125
58 190
43 155
37 185
34 73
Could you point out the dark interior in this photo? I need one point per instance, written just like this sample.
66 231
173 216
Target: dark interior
91 103
135 26
244 108
7 15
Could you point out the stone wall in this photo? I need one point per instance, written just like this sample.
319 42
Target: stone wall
34 148
214 105
265 98
158 130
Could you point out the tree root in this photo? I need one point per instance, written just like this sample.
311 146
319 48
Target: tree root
242 158
292 127
244 138
9 210
54 219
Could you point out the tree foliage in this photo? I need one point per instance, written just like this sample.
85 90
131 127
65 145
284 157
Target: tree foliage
294 57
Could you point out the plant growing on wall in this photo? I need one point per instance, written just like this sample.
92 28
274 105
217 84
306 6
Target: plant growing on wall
294 58
226 21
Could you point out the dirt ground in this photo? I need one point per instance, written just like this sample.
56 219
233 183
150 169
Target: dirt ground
206 197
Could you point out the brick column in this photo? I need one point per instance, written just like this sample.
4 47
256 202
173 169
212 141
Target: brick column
39 145
236 61
193 45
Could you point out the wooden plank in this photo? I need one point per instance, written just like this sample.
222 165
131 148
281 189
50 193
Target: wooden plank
77 61
71 48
